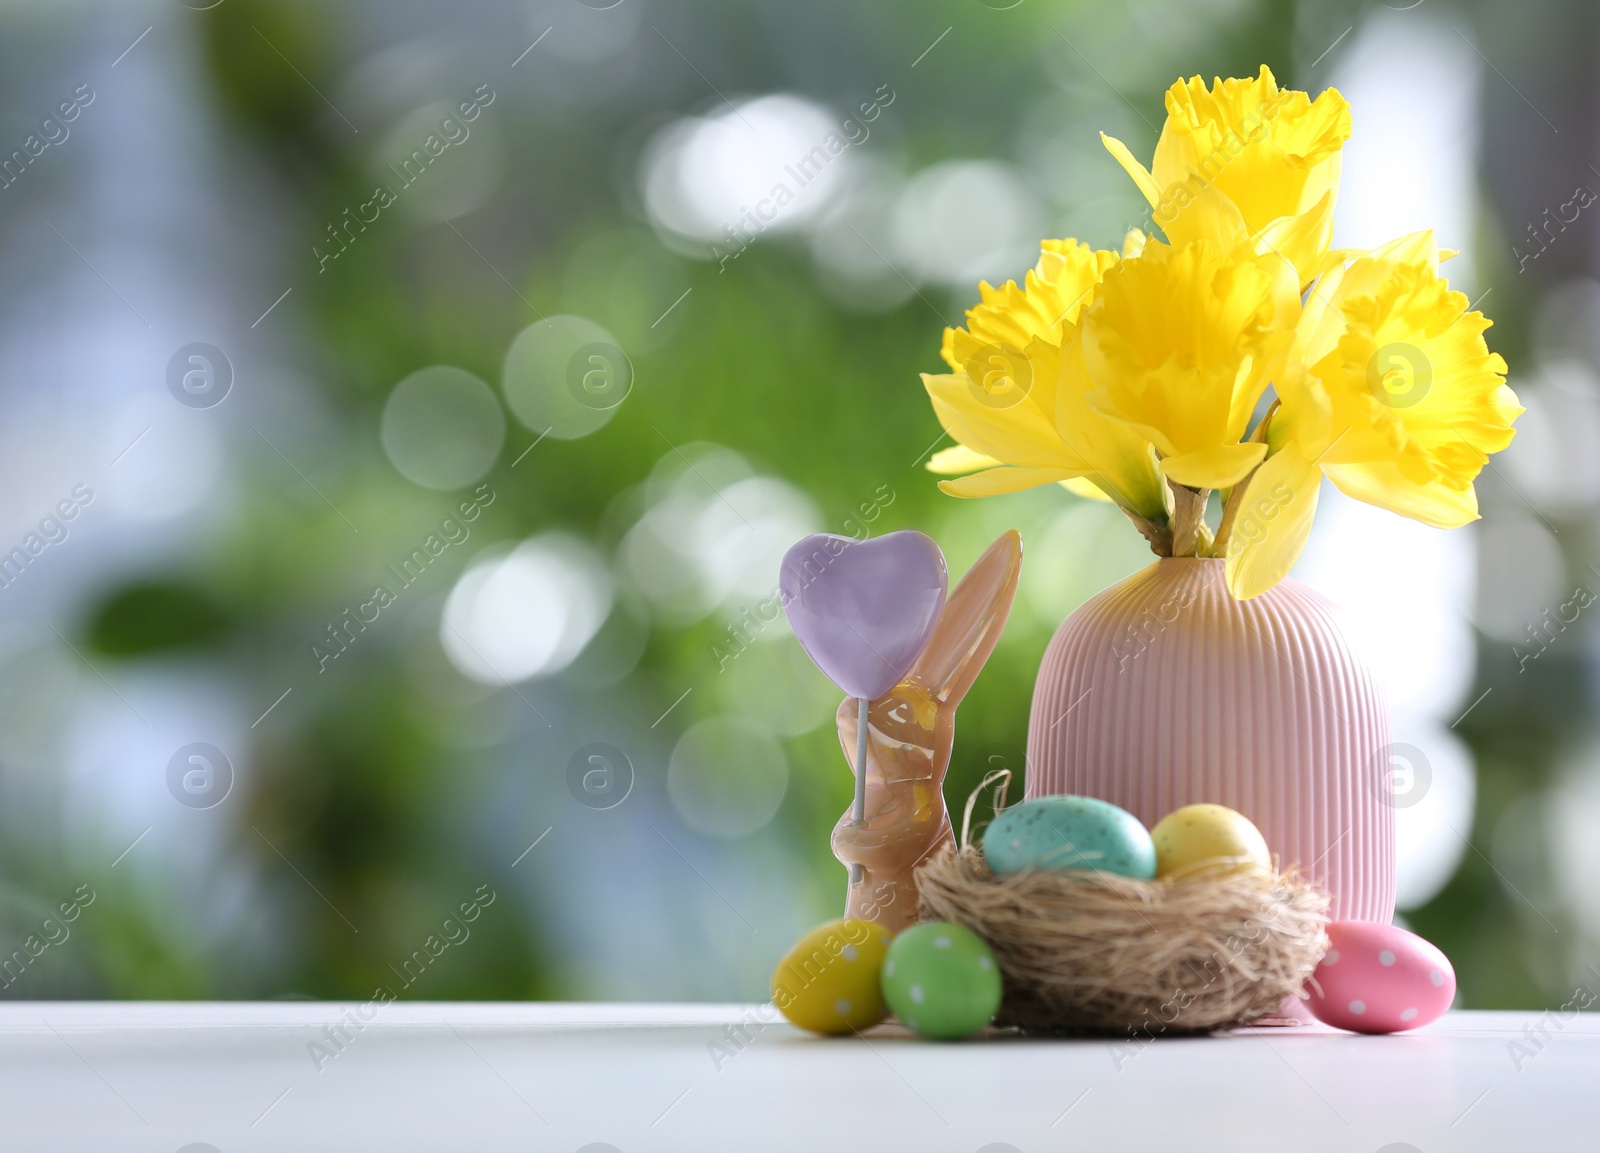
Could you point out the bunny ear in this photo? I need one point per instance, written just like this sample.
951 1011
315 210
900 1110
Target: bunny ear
972 621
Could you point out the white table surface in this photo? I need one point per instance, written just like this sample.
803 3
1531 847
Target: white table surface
469 1076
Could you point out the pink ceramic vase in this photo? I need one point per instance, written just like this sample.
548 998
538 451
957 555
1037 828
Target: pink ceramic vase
1164 691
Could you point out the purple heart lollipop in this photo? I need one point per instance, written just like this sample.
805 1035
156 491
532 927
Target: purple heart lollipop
864 610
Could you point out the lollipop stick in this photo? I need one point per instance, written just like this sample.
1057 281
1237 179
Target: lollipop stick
861 778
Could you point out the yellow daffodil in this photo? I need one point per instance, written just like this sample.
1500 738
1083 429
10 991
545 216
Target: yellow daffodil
1016 400
1135 377
1246 160
1391 393
1180 345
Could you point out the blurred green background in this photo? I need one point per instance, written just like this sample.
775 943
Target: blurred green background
568 180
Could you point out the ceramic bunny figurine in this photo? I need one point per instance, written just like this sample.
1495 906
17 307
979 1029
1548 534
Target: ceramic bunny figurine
911 731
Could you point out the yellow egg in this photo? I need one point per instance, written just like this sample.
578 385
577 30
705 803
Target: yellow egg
1198 833
829 981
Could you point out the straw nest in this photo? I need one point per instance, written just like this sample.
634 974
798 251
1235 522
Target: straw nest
1083 951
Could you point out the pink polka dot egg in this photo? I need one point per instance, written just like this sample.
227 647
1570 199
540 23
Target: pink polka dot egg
1379 979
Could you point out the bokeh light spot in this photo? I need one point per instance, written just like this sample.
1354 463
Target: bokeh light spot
727 777
541 365
442 427
526 613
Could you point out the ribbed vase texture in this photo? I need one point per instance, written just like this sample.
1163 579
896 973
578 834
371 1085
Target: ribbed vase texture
1164 691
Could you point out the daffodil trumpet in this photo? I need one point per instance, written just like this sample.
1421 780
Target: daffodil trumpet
1132 376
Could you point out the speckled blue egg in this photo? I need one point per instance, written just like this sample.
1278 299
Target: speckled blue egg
1069 833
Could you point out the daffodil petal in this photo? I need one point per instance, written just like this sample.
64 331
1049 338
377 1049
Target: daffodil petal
1412 248
1204 215
1009 318
1141 174
1270 529
1084 487
957 459
1336 258
999 481
1220 466
1018 433
1321 322
1119 454
1383 484
1301 239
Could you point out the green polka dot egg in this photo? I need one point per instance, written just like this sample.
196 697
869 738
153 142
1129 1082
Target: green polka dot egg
1069 833
829 982
941 980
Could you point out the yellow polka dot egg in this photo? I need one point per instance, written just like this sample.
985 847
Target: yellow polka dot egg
829 982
